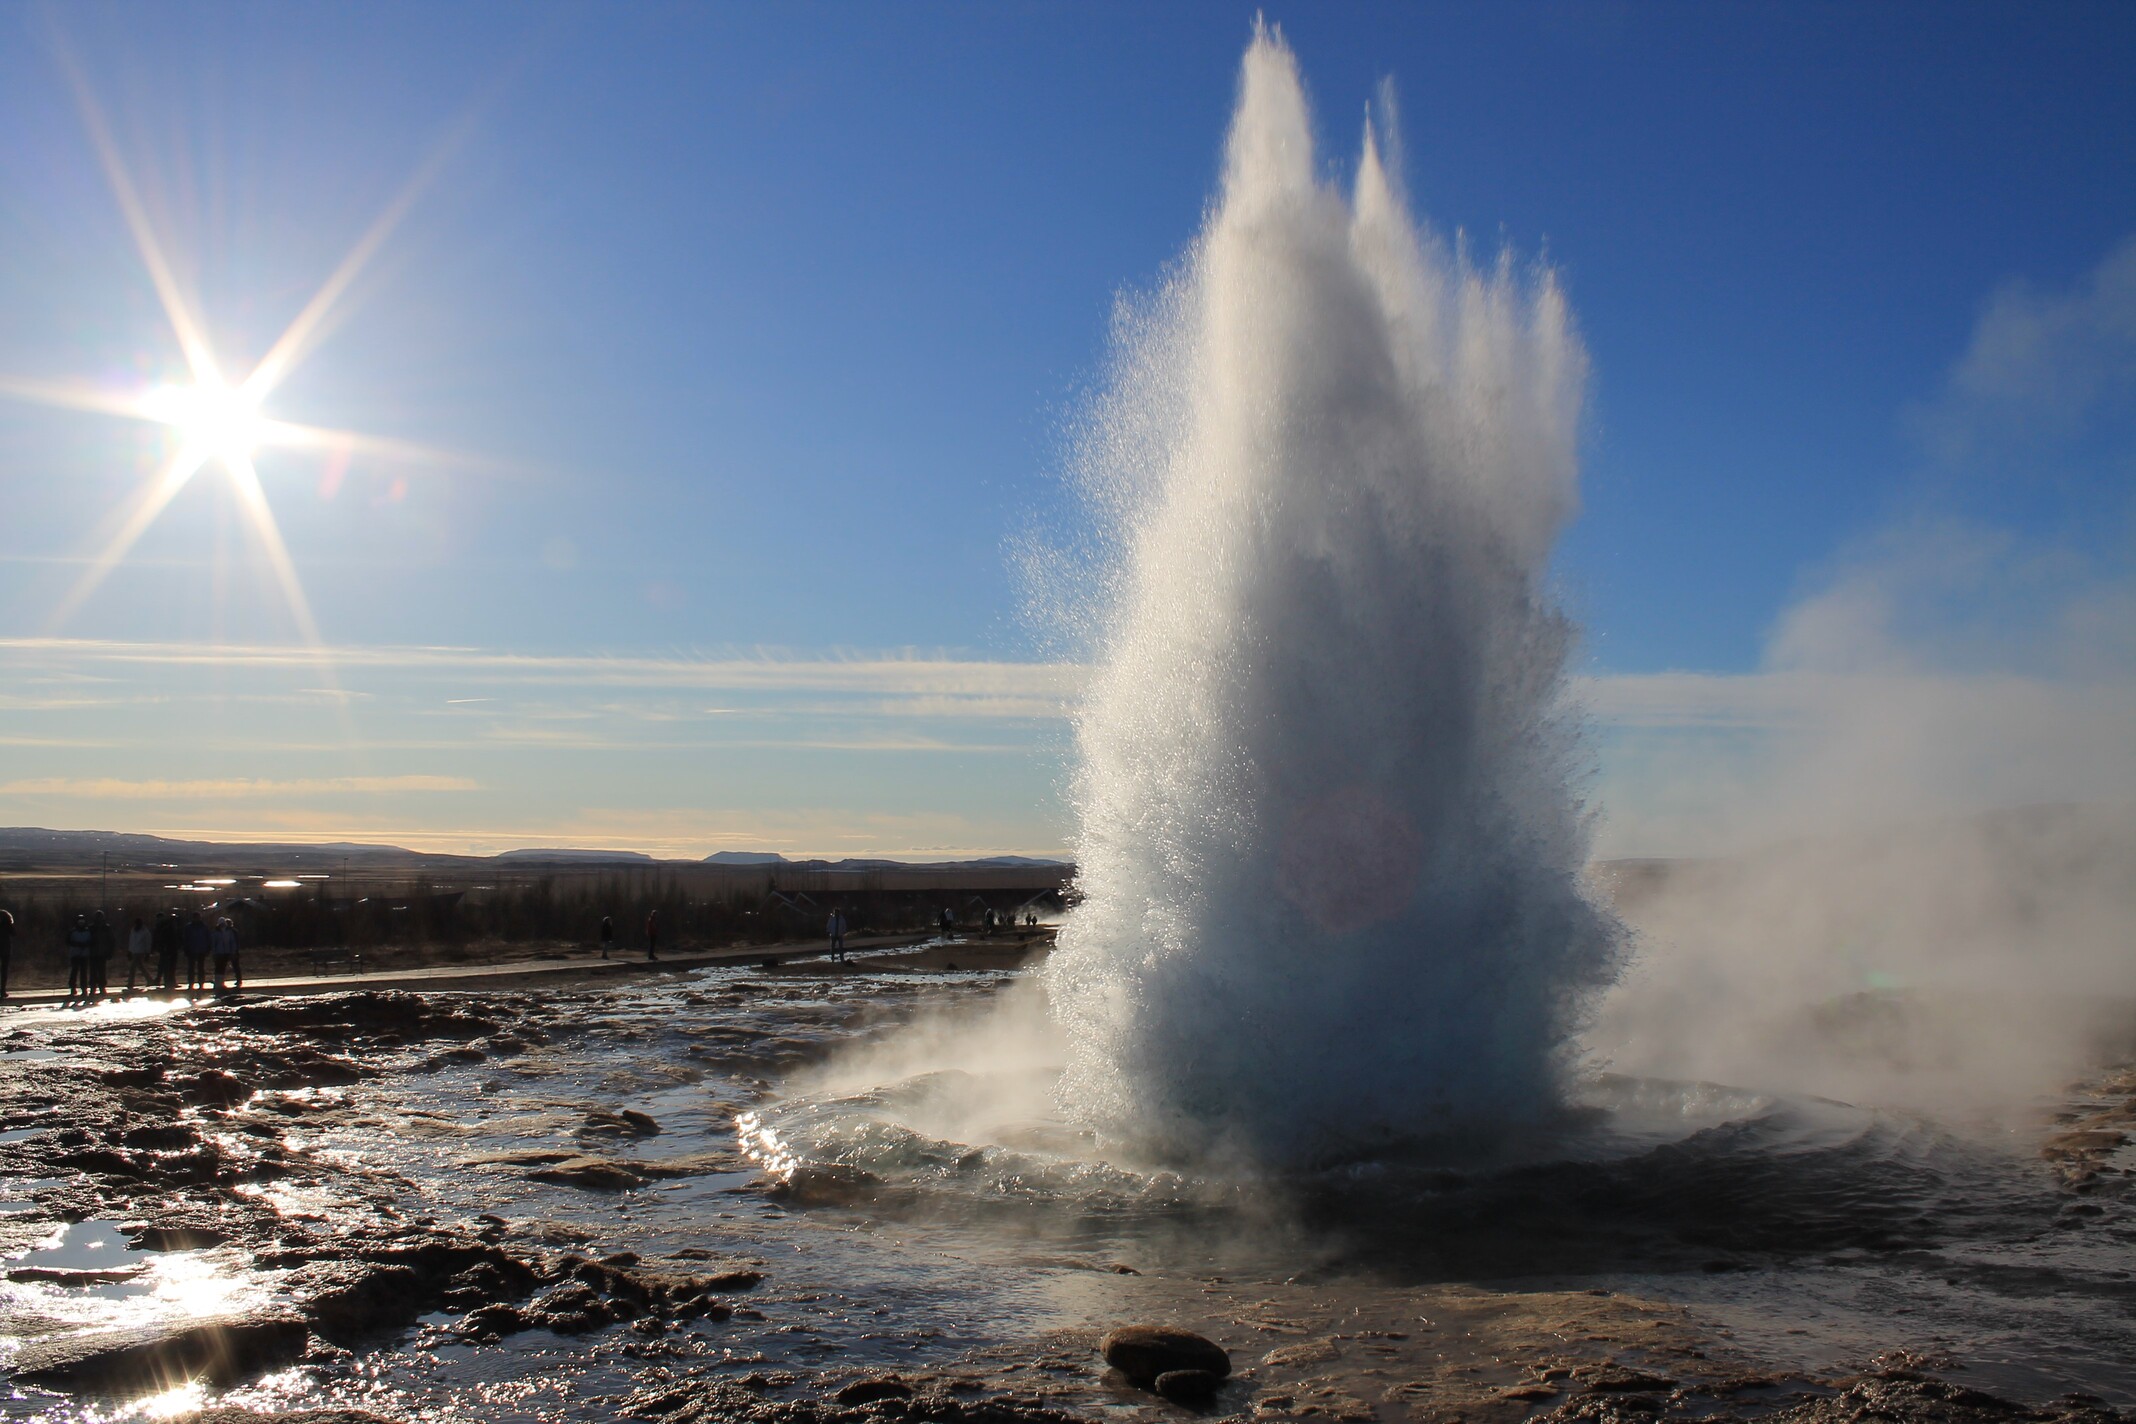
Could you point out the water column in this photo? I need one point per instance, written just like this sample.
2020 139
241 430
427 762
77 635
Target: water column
1329 830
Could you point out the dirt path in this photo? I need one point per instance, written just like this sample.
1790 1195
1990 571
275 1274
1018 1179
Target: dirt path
551 969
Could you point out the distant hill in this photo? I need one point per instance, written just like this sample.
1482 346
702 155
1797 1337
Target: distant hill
26 846
35 848
991 862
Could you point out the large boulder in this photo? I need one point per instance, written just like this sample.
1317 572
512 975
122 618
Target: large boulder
1143 1352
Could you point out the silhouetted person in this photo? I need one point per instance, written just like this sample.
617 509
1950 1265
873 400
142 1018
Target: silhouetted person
834 930
101 943
222 943
165 937
949 920
194 940
652 935
608 935
7 948
78 940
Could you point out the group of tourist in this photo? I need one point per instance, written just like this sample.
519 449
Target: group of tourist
153 952
991 920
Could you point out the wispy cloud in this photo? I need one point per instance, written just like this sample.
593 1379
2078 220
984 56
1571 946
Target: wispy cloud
908 673
2043 365
1698 699
233 788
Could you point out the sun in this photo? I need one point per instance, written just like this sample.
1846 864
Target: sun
218 421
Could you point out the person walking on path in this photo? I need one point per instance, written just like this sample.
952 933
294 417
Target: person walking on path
78 959
165 938
834 930
608 935
652 935
194 939
223 944
101 943
137 947
7 947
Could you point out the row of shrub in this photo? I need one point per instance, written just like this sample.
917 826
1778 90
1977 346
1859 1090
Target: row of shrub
565 909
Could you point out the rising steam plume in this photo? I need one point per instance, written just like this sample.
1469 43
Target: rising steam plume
1329 831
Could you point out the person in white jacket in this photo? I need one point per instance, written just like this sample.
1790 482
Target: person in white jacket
138 943
222 943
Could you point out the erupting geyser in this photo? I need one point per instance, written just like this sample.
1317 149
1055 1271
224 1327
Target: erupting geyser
1330 838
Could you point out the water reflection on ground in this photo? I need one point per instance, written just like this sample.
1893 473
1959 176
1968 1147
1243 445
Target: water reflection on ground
694 1120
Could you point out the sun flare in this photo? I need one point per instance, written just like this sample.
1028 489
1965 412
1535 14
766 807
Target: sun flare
217 422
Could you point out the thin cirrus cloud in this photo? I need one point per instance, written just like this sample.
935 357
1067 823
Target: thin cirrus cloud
231 788
909 674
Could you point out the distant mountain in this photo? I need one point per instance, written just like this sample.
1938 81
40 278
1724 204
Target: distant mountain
992 862
25 848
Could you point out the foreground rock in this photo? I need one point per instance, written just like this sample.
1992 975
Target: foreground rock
1897 1397
219 1352
627 1123
587 1294
597 1174
719 1401
1144 1352
873 1391
300 1416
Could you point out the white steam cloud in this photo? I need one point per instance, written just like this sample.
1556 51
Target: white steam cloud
1926 798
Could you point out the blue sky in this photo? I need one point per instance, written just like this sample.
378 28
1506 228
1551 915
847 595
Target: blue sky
753 333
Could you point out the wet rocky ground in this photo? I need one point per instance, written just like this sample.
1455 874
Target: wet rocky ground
522 1205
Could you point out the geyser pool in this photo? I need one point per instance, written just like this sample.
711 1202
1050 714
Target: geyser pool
1329 832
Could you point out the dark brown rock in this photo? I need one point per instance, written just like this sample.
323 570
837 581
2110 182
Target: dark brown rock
1188 1386
1613 1379
627 1123
1143 1352
345 1298
828 1184
492 1323
734 1280
870 1391
591 1173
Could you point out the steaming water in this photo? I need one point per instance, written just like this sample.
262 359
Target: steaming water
1328 832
